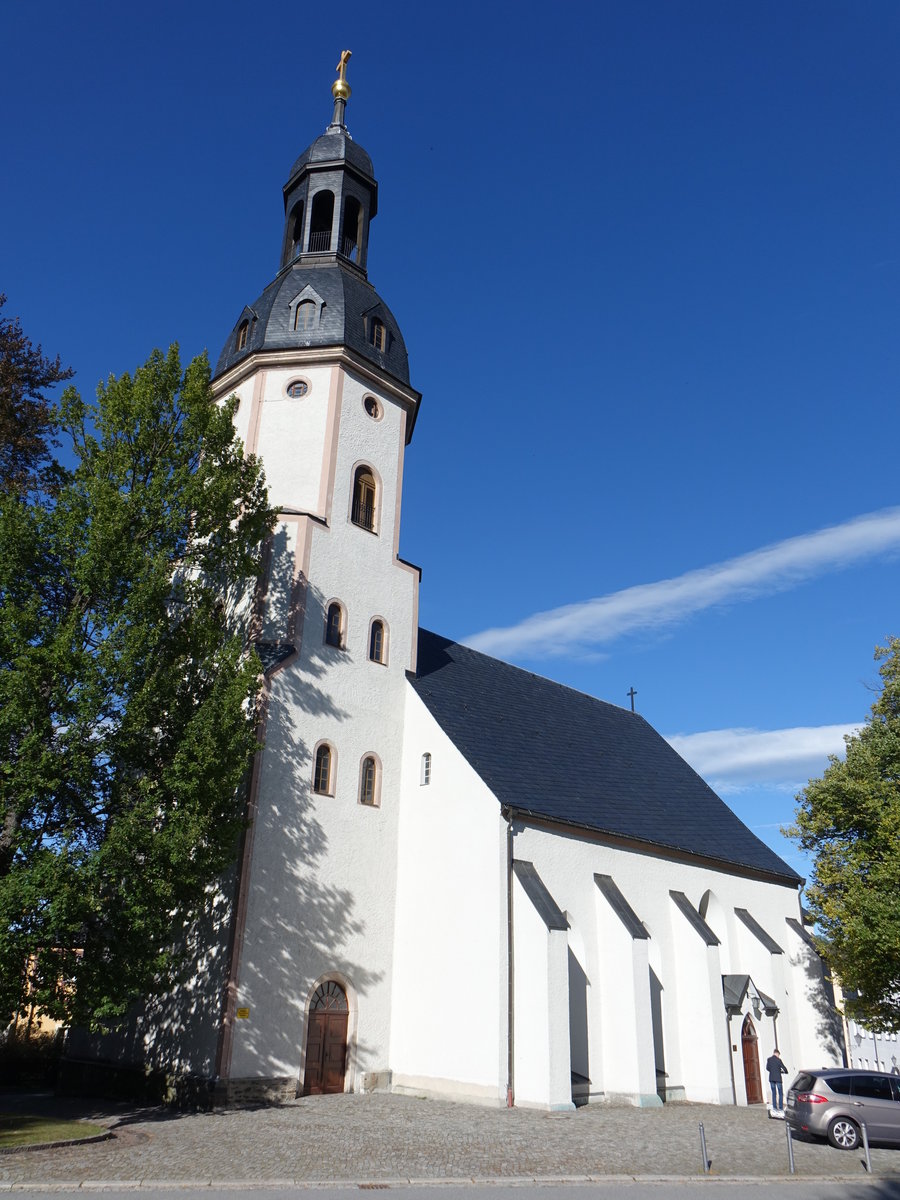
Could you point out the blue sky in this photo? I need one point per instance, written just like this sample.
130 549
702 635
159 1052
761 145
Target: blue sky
646 258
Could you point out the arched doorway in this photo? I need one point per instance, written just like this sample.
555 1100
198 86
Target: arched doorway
326 1041
752 1081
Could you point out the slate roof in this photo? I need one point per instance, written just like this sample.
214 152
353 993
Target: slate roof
734 991
347 299
550 751
335 145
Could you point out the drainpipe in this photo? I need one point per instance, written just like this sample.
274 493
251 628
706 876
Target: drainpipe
508 814
730 1057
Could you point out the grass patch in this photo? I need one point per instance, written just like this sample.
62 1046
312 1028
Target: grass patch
19 1130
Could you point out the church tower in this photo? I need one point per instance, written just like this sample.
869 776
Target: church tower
319 366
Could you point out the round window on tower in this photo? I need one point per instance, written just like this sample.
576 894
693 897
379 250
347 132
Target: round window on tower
372 407
297 388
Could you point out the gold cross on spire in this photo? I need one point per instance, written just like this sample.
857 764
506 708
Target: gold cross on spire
341 68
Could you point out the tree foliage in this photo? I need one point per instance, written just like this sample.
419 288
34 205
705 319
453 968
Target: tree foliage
127 693
850 820
28 424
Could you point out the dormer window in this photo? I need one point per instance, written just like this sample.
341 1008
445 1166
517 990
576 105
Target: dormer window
305 315
242 335
377 334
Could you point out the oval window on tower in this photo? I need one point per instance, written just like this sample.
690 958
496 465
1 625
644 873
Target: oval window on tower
297 388
372 407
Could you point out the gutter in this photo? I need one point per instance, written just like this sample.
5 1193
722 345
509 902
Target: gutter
508 814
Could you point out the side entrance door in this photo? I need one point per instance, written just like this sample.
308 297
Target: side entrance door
752 1081
326 1041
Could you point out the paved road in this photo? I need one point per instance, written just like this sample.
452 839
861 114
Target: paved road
398 1140
685 1189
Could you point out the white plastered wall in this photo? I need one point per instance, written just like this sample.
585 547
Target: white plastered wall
322 878
699 1054
448 1032
619 1034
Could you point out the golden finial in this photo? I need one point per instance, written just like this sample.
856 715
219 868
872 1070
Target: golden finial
340 89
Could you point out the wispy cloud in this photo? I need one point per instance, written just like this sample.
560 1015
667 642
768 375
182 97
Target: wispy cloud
774 568
735 760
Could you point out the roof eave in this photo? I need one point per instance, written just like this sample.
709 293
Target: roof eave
658 849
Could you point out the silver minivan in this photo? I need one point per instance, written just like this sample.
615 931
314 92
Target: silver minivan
835 1102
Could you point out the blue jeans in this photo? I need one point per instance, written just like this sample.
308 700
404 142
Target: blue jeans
777 1093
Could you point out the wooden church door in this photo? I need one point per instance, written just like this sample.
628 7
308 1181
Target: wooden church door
326 1041
752 1081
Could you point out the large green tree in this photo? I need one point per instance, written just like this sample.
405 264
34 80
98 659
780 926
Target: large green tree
127 692
850 821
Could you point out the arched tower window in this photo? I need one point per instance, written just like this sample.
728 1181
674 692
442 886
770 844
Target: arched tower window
334 625
364 496
425 773
305 315
368 781
323 773
242 334
297 230
321 222
351 231
378 641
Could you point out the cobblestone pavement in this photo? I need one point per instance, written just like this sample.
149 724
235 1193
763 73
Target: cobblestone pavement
380 1138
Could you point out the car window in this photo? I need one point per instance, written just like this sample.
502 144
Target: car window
841 1083
873 1087
895 1086
802 1083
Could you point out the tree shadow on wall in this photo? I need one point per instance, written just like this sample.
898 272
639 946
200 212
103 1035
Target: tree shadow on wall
820 993
302 918
303 910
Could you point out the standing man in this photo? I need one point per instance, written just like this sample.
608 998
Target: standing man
776 1069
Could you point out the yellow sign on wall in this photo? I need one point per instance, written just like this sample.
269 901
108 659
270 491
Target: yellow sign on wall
242 1014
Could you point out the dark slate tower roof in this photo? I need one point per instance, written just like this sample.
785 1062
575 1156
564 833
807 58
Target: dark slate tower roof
330 199
349 304
552 752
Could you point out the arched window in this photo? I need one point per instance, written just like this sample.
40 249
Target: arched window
425 777
321 221
368 781
377 335
305 315
378 642
334 625
351 229
324 771
297 230
242 334
362 512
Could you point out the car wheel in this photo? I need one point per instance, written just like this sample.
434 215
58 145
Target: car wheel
843 1133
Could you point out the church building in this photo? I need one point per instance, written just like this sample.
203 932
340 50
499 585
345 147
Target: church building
459 879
